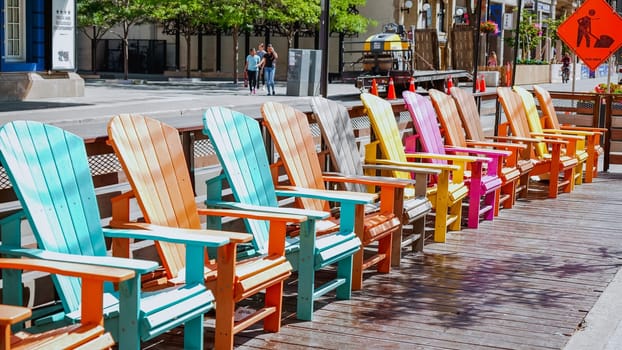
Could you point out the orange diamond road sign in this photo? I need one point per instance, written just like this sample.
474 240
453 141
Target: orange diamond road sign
590 32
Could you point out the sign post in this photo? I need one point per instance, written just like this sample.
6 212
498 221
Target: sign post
63 34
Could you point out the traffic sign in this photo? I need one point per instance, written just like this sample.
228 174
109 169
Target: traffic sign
590 32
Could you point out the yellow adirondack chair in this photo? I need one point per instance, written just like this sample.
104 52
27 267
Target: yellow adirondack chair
548 163
346 159
291 134
152 158
469 114
88 334
592 135
447 113
446 194
576 143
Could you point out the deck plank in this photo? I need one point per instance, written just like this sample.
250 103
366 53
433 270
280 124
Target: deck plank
523 281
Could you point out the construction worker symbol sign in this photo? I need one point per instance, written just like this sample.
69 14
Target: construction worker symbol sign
590 32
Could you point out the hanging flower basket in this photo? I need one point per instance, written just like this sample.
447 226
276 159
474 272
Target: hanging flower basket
489 27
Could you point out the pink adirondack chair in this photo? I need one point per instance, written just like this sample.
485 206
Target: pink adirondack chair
482 181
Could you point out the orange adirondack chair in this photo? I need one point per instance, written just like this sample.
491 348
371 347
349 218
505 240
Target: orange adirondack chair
152 158
576 144
294 142
520 159
592 135
445 193
346 159
447 113
546 163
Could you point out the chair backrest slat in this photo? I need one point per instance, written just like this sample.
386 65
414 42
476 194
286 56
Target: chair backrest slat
293 140
467 109
387 131
238 142
157 170
338 133
49 170
533 118
546 104
426 124
449 117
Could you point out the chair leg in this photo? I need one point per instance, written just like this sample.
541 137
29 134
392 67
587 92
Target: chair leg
384 247
344 270
274 298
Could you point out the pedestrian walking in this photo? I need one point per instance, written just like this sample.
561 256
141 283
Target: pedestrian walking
260 75
268 64
252 61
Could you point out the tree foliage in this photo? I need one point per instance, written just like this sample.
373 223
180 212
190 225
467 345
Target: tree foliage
95 19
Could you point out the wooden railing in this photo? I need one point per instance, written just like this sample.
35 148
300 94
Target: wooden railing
203 163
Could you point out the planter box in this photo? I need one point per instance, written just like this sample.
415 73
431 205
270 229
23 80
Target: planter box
532 74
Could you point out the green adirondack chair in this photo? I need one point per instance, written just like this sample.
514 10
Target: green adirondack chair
50 174
338 135
238 142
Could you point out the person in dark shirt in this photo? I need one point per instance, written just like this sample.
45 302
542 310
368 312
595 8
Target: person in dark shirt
268 64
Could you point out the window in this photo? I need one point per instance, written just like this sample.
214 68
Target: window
15 45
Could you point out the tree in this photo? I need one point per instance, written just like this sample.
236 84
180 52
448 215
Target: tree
289 17
184 17
345 18
94 20
127 13
236 16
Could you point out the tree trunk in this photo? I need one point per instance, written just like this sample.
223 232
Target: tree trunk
236 40
188 60
94 51
126 51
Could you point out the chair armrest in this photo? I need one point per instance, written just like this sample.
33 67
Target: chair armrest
486 152
250 214
407 166
235 237
570 132
375 179
515 138
11 314
367 180
468 159
208 238
584 128
137 265
558 136
96 273
517 146
270 211
335 196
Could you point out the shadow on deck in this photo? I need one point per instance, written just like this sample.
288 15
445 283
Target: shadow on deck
525 280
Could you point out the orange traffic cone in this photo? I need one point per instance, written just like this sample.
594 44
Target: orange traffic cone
391 94
374 87
450 84
482 83
412 88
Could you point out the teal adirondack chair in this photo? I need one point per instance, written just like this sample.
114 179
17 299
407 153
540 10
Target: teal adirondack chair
238 142
49 171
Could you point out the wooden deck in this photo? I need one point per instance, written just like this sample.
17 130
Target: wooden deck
523 281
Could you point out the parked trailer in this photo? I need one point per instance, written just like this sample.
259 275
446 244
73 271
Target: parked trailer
390 55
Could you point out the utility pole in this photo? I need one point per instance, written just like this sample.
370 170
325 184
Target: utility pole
324 35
